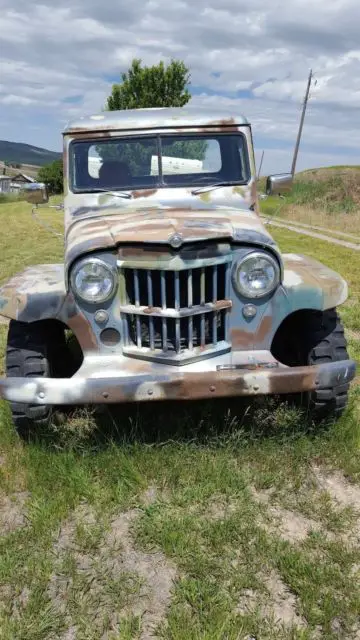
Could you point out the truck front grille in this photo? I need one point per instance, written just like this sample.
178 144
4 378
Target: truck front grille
176 316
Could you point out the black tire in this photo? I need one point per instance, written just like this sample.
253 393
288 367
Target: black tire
34 350
325 342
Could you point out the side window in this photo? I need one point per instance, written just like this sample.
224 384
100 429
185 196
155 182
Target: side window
190 156
139 156
244 165
94 162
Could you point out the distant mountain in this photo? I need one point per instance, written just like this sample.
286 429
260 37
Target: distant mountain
18 152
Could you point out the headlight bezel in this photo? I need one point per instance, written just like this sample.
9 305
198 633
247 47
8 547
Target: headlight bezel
256 295
98 261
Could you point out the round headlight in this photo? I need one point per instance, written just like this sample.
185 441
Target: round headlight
93 280
257 275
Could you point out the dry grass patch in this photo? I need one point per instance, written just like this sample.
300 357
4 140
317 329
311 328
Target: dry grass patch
344 493
13 512
276 604
345 223
287 524
103 584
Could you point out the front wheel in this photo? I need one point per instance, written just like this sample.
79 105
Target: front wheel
312 338
34 350
327 343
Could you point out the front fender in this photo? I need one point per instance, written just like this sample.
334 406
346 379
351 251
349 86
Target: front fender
37 293
306 285
309 284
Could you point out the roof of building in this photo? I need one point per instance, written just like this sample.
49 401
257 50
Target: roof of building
23 175
5 177
188 116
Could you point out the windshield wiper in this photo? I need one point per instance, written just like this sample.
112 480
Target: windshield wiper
209 187
118 194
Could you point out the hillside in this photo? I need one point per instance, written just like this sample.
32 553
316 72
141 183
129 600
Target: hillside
328 196
18 152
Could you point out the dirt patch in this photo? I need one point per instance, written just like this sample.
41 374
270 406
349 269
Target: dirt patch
292 526
4 320
312 234
116 571
288 525
278 604
219 509
155 570
284 603
344 493
13 512
149 496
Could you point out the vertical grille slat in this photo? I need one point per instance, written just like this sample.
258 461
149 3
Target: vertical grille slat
164 332
177 307
177 290
147 335
225 316
150 303
137 304
190 303
215 279
202 301
177 335
202 286
215 316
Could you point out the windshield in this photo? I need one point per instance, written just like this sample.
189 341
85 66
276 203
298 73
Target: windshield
158 161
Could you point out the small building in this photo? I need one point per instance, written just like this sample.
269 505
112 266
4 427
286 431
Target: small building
5 184
22 178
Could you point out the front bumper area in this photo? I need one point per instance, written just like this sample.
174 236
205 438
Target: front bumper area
174 385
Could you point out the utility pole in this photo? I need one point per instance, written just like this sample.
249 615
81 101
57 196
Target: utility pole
261 161
297 144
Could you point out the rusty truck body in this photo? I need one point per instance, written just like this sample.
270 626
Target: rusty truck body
171 285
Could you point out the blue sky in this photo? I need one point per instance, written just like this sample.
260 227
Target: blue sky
59 62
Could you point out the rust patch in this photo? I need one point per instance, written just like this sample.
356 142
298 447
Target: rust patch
150 310
144 193
79 324
240 338
217 126
264 328
222 304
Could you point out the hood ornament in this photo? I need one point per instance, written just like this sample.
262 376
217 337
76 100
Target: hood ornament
176 240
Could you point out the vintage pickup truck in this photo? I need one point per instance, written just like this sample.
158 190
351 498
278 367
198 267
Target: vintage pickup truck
171 286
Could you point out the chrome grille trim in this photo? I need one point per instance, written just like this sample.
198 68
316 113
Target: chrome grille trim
176 316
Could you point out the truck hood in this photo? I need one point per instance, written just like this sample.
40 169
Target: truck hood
157 225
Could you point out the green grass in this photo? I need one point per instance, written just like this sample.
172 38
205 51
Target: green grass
222 479
328 197
342 260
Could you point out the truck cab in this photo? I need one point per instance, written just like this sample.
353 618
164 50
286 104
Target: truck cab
171 285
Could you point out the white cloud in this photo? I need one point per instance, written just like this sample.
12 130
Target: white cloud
12 99
56 60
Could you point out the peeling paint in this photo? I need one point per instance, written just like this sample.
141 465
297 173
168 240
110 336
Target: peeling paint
217 229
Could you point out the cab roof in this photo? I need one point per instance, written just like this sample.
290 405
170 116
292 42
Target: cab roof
156 118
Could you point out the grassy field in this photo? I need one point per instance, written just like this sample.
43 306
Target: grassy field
326 197
203 521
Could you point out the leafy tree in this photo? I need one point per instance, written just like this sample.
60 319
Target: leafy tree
52 176
156 86
149 87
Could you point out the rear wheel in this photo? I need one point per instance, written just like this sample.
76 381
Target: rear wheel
35 350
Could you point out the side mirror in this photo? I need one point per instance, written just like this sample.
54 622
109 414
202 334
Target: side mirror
36 193
278 184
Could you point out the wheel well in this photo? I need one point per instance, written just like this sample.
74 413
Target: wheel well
299 333
72 345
